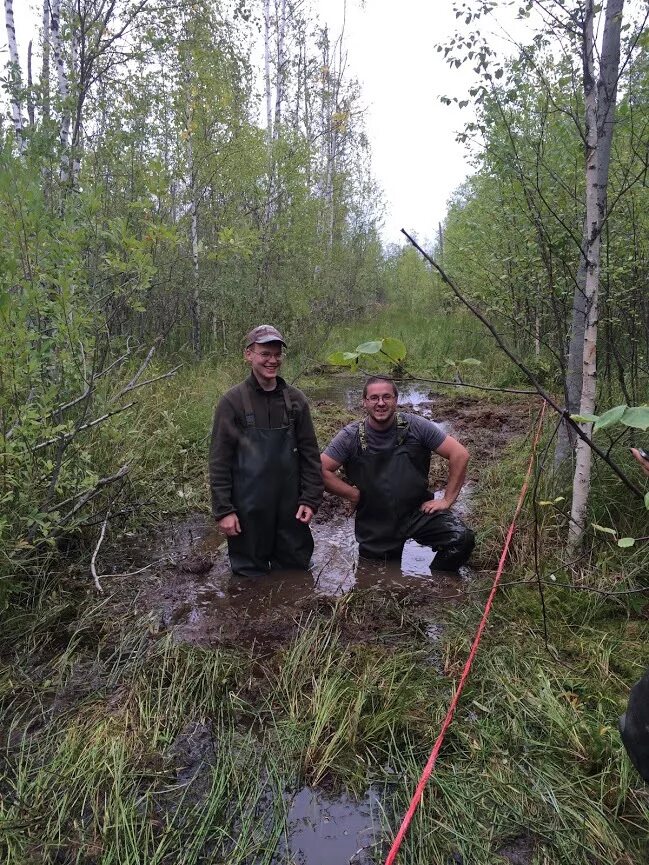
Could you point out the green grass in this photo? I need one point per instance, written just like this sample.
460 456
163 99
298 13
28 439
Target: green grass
93 770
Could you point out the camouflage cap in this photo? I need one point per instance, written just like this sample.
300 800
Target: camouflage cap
263 333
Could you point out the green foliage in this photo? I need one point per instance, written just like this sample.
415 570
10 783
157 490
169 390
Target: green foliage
635 417
388 347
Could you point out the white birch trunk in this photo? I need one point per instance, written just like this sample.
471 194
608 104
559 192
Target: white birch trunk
45 67
581 478
269 98
62 80
16 106
606 106
281 63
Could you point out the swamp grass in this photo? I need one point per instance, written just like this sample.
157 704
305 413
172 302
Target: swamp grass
121 746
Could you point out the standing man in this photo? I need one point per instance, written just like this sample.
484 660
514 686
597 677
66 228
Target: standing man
387 459
265 475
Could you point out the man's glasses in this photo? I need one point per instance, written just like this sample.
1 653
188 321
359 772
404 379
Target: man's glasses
269 355
376 397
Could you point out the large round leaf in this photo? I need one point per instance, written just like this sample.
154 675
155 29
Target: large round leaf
637 417
373 347
343 358
394 348
613 415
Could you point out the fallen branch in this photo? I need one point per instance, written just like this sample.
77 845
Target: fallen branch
93 560
131 387
143 366
84 426
528 373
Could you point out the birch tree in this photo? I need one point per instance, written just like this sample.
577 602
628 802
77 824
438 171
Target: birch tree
599 100
14 76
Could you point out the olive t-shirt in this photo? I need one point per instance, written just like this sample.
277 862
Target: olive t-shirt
346 443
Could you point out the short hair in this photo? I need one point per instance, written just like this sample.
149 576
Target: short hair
373 379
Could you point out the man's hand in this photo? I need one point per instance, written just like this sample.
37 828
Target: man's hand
434 505
229 525
643 462
304 514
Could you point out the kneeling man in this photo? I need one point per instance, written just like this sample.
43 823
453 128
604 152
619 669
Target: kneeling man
387 459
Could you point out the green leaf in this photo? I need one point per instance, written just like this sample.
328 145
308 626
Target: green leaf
604 529
646 501
373 347
626 542
584 418
342 358
637 417
394 348
613 415
471 361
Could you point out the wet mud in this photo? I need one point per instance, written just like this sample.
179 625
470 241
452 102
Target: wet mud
191 591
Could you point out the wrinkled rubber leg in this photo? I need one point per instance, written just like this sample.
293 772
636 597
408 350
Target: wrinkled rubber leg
445 533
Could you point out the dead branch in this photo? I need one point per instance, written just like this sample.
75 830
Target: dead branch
143 366
84 426
131 387
93 560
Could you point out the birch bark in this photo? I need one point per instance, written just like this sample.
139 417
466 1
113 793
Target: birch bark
600 101
605 119
16 105
62 79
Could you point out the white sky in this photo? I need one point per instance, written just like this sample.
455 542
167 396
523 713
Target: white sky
392 51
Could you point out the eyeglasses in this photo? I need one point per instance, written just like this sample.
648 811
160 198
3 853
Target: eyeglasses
269 355
377 397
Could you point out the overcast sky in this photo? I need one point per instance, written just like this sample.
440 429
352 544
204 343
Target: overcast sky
392 52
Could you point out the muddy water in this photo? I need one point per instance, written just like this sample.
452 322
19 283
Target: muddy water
202 601
347 391
322 830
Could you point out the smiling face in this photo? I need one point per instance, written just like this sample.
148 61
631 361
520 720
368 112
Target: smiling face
380 403
265 359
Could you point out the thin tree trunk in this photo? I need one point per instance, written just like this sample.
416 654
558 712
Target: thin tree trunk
269 101
45 68
599 132
605 119
281 63
64 128
16 105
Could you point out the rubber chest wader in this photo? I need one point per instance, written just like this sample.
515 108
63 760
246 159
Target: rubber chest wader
393 484
265 490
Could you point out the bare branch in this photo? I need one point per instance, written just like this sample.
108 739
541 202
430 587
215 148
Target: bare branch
528 373
93 560
84 426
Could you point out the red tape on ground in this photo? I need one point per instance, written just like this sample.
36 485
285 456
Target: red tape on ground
428 769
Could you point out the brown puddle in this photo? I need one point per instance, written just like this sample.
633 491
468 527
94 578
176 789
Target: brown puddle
194 593
322 830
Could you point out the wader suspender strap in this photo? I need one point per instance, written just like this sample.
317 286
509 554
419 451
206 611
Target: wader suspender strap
289 409
402 432
250 415
247 406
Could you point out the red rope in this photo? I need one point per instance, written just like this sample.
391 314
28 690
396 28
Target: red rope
425 775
